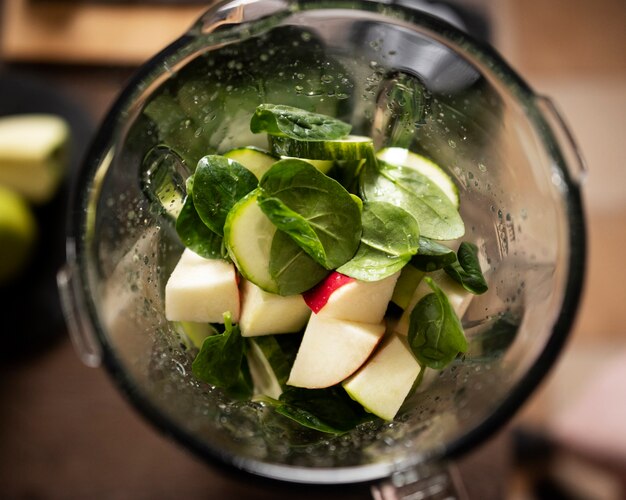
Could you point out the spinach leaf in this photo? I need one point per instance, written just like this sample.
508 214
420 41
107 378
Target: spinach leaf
220 183
194 234
432 256
390 237
313 209
328 410
221 361
296 123
435 335
405 187
292 269
466 270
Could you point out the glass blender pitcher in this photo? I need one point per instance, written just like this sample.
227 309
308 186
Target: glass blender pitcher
515 163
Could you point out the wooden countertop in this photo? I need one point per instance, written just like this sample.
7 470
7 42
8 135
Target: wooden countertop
88 32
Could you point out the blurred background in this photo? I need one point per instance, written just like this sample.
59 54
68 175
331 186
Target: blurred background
65 431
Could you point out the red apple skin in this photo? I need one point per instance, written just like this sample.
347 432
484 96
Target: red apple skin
317 297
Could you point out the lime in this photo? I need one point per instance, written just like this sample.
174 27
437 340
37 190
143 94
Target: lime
18 232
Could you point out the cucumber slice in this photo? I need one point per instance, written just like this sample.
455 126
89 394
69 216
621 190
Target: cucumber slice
405 158
248 235
254 159
351 147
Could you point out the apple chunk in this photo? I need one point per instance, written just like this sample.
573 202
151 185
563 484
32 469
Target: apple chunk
458 297
332 350
264 313
342 297
382 384
201 290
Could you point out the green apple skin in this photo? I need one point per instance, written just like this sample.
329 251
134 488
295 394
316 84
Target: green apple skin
382 384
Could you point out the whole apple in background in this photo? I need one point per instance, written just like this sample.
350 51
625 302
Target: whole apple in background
264 313
382 384
18 234
332 350
201 290
341 297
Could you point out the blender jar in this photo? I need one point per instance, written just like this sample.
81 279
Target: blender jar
516 166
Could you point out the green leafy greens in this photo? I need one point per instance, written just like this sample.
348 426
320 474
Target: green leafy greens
432 255
296 123
293 270
194 233
435 332
328 410
313 209
390 237
466 269
417 194
220 183
221 361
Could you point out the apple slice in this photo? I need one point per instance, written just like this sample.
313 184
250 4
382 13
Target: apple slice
264 313
341 297
457 295
332 350
405 287
201 290
382 384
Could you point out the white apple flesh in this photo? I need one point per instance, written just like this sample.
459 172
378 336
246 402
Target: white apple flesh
264 313
332 350
342 297
382 384
201 290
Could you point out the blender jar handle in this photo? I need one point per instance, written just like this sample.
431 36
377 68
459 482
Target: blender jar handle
573 157
425 482
72 303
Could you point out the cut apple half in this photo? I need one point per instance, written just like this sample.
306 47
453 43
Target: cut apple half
382 384
332 350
